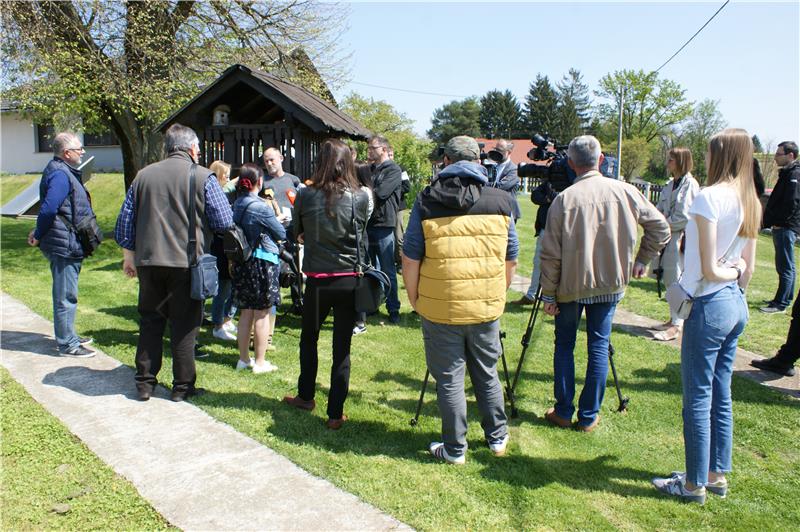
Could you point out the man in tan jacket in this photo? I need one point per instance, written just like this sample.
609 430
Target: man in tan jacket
587 261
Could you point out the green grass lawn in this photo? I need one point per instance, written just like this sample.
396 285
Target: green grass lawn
52 481
551 478
11 185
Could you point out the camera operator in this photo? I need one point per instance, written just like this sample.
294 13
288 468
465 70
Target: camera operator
459 257
587 261
506 177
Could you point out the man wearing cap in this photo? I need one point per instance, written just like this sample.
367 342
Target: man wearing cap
506 172
587 261
459 256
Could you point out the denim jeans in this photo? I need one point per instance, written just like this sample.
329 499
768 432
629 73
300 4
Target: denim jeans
598 334
222 305
783 239
65 300
381 253
710 335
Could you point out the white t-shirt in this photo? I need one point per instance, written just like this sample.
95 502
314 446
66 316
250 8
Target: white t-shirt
718 204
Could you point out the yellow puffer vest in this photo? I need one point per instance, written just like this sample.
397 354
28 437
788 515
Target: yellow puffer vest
462 277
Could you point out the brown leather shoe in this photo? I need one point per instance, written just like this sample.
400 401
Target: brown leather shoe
588 428
524 300
557 420
336 424
297 402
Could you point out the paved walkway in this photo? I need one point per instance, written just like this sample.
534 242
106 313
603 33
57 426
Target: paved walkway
635 324
198 473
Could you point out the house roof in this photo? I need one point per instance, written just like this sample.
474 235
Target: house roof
306 107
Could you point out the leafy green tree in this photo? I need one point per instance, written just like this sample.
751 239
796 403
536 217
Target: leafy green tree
705 120
410 151
757 146
651 105
574 106
126 66
500 116
459 117
635 155
541 107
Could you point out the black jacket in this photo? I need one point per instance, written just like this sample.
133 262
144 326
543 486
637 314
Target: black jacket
783 207
386 186
330 242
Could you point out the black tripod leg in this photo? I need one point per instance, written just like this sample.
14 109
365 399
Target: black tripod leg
526 338
415 419
509 391
623 401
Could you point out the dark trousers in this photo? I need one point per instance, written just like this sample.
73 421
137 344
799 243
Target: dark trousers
321 296
164 297
789 353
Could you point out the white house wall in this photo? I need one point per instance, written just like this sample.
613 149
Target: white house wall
18 153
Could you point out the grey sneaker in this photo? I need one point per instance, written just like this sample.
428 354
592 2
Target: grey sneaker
675 487
498 447
720 487
87 340
78 352
438 451
771 309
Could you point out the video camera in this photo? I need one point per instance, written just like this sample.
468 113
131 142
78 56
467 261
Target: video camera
557 172
491 168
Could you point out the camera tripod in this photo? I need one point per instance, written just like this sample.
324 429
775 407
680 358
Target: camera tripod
526 340
510 396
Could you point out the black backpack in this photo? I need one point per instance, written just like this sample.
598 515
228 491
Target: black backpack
234 241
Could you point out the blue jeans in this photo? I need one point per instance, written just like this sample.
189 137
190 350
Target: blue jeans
222 305
381 254
783 239
710 335
537 269
598 334
65 300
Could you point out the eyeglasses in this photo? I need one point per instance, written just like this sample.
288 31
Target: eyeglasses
80 150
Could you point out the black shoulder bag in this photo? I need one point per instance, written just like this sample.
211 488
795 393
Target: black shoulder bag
371 284
203 269
87 230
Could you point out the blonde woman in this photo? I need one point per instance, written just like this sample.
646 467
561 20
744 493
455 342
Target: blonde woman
676 198
222 309
720 256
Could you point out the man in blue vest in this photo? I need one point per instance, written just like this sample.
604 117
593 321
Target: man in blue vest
64 202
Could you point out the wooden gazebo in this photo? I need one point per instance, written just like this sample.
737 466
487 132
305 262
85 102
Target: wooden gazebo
246 111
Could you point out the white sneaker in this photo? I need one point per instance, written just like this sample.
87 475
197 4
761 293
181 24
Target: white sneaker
675 486
245 365
266 367
498 447
438 451
230 327
359 329
223 334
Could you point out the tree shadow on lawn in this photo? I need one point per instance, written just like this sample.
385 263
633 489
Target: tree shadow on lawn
373 438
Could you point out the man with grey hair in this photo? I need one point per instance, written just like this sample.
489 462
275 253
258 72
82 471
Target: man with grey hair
64 202
153 231
587 261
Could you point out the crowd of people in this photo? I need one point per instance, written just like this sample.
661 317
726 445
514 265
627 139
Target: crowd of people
459 254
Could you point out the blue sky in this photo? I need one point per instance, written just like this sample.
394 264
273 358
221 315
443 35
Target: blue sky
748 57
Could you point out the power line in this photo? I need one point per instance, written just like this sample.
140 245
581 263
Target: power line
693 36
409 90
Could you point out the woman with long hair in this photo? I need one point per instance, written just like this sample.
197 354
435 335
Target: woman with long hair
255 281
676 198
720 258
331 216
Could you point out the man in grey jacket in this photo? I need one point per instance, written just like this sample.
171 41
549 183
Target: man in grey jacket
587 261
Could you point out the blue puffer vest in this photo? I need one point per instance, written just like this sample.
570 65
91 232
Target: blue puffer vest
59 240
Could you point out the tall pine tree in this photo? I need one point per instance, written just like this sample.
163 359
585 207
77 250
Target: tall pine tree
541 107
500 115
573 106
459 117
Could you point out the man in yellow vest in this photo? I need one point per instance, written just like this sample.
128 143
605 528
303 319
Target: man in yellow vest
459 256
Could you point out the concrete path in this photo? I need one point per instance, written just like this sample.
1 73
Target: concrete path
641 326
198 473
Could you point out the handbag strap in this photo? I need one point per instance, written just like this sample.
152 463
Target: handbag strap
359 267
191 246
